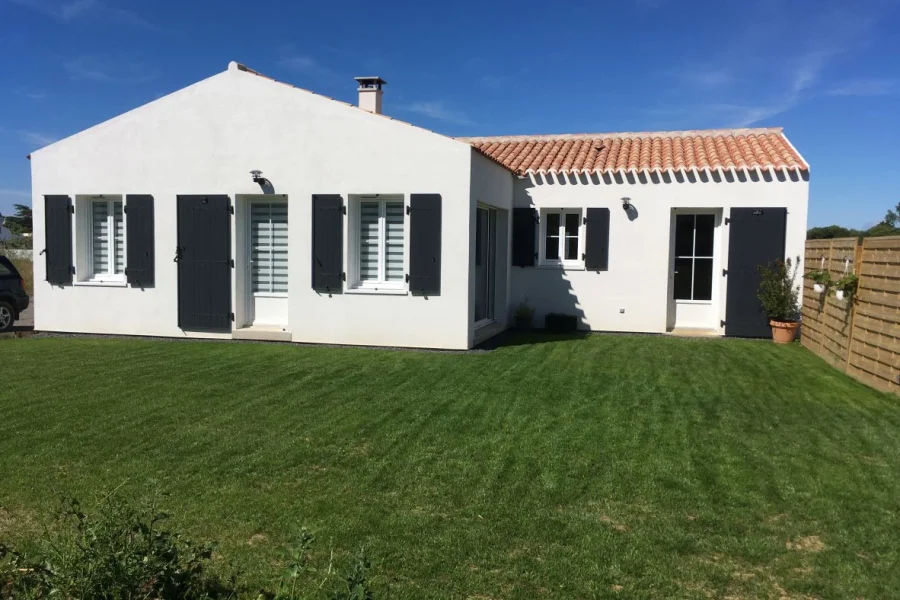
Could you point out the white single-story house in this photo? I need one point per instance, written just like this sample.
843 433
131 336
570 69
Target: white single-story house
244 208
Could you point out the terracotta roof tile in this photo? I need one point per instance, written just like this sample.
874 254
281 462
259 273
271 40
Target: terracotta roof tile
606 152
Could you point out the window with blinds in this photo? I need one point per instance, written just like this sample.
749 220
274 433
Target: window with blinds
269 247
381 242
107 239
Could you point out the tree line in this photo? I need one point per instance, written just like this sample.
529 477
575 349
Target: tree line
890 225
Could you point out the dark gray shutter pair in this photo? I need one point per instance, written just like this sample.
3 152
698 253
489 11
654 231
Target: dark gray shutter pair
596 255
424 212
139 231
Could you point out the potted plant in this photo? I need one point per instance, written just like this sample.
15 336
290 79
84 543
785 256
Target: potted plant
845 288
523 315
778 295
821 279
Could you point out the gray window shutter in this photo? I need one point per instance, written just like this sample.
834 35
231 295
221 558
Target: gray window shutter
596 256
140 242
58 239
328 243
424 244
524 224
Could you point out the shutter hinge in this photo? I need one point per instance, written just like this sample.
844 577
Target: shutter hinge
231 316
727 220
72 269
722 323
408 209
231 212
343 210
343 276
125 209
231 262
71 209
724 272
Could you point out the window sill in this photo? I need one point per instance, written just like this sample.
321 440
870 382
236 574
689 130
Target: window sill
385 291
693 301
562 267
90 283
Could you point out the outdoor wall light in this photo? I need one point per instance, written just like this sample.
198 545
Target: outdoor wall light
257 175
626 204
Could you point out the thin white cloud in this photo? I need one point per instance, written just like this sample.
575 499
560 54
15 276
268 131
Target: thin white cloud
308 65
105 69
745 85
32 95
82 10
438 111
35 138
866 87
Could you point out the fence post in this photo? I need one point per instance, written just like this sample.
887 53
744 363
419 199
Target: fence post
857 270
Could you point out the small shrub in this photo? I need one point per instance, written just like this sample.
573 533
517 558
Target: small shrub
778 294
120 552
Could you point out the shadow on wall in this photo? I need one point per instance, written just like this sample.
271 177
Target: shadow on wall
545 289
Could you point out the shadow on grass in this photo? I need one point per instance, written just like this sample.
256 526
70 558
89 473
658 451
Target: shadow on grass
515 337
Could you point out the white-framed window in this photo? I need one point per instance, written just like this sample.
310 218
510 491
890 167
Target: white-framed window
694 247
561 237
101 230
378 242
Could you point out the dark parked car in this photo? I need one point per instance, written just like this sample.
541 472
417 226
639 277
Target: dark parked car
13 299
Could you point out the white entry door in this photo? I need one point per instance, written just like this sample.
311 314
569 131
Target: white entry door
693 270
268 301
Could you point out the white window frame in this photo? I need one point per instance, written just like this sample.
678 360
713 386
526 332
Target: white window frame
85 236
694 256
354 223
578 261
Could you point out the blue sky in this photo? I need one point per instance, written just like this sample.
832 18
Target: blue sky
828 72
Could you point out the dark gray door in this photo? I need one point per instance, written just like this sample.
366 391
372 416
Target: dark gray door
204 263
756 237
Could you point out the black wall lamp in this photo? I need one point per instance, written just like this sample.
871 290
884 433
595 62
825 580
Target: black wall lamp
264 183
626 204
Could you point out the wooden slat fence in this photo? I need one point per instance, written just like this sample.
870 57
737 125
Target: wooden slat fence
861 337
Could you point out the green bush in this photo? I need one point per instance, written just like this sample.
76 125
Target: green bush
778 294
120 552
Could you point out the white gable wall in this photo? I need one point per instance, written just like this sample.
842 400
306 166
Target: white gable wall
639 250
205 139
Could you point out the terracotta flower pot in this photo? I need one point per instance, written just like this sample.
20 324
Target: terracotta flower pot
784 332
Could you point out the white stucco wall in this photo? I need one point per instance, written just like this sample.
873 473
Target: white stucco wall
633 295
205 139
491 185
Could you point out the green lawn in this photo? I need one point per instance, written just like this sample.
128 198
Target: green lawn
607 466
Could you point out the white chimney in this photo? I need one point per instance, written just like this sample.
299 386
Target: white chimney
370 93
